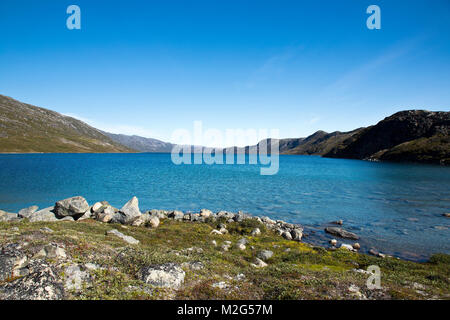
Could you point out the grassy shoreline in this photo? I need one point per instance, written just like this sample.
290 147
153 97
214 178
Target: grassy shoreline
295 271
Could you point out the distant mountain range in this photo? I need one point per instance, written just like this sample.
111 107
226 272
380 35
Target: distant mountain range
412 135
140 144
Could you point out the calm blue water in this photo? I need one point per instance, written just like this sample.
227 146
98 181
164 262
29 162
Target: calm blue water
396 208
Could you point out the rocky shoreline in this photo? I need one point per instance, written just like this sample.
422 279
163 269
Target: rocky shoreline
77 209
69 250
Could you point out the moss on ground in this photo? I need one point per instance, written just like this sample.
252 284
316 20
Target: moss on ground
295 271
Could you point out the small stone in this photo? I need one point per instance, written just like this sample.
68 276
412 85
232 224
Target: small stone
346 246
287 235
256 232
240 246
153 222
258 263
216 232
176 215
46 229
297 234
214 242
341 233
356 246
239 277
106 214
119 234
223 231
205 213
333 242
221 285
265 255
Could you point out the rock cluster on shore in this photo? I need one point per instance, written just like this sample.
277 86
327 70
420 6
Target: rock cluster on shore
77 208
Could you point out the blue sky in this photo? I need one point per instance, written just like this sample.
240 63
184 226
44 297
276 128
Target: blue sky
150 67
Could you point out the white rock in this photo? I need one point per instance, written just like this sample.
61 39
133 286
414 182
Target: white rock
347 247
51 251
168 275
119 234
258 263
27 212
205 213
129 212
44 215
153 222
75 277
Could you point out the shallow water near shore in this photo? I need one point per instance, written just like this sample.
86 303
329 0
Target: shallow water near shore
395 208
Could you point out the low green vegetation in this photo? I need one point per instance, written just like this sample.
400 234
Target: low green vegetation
295 271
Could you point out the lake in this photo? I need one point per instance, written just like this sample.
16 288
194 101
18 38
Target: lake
396 208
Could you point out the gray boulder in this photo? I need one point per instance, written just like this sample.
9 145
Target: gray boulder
258 263
74 207
339 232
44 215
287 235
297 234
51 251
205 213
41 284
106 214
127 239
153 222
168 275
265 255
176 215
8 216
27 212
256 232
129 212
12 262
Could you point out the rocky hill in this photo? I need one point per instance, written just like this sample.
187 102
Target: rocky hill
413 135
406 136
27 128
